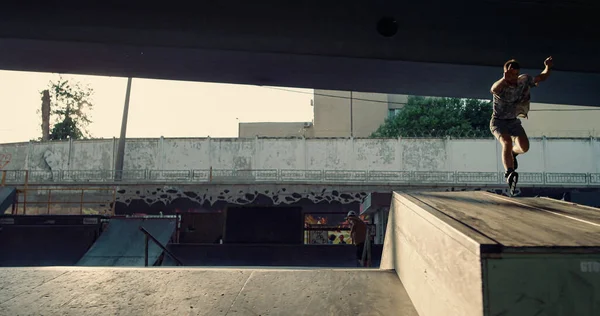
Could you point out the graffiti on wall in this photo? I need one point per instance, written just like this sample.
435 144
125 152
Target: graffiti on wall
4 160
51 160
235 195
212 198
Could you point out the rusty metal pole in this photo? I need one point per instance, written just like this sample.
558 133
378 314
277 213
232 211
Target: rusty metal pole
25 192
81 203
146 250
49 199
114 202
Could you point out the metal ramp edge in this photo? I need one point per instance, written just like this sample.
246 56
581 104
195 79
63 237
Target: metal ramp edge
7 198
123 244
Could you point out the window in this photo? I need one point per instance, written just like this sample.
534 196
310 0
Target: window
393 112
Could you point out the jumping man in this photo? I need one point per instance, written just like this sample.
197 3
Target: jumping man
511 99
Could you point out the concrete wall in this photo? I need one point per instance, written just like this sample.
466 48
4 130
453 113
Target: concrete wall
562 121
477 155
332 113
275 129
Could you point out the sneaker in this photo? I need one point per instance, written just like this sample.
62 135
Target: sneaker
512 180
515 163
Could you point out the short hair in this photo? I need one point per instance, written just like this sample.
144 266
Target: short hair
513 63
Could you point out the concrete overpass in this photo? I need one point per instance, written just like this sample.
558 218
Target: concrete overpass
435 48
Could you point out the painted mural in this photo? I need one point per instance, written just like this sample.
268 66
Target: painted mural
169 199
329 228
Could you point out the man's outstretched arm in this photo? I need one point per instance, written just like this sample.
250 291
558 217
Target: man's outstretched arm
546 73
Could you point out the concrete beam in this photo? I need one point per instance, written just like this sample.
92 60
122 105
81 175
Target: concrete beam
278 69
470 32
440 48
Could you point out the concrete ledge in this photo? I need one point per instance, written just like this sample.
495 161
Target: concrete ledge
477 253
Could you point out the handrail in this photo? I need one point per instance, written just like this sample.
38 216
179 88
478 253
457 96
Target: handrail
148 235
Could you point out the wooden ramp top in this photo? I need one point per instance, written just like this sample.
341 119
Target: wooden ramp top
201 291
518 224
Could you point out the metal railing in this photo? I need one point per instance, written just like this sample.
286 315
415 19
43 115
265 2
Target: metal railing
146 244
53 202
373 177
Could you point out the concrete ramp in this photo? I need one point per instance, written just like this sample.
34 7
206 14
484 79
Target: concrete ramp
477 253
7 198
122 243
196 291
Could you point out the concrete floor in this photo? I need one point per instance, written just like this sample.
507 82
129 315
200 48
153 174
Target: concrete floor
201 291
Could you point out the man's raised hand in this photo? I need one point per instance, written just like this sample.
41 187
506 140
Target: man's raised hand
549 62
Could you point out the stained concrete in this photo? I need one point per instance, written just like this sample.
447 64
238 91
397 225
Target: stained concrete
185 154
184 291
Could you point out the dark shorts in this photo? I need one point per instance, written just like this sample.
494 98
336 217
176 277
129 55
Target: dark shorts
511 127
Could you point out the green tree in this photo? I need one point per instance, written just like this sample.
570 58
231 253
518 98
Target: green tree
434 117
70 102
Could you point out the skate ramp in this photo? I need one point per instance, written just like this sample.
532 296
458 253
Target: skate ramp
122 243
7 198
201 291
477 253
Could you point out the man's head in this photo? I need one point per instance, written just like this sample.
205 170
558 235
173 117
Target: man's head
512 67
352 217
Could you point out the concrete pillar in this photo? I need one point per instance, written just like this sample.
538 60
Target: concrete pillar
305 152
45 115
161 155
209 142
70 154
544 152
255 163
121 149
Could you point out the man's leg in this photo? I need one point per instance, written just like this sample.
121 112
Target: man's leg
521 142
502 130
359 252
507 152
509 161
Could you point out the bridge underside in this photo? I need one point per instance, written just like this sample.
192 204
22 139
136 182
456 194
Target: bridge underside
440 48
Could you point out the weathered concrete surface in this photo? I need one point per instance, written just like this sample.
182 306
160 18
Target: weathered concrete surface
168 291
475 253
473 155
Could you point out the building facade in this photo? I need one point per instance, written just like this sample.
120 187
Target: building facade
359 114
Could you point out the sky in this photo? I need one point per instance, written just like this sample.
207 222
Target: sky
157 107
